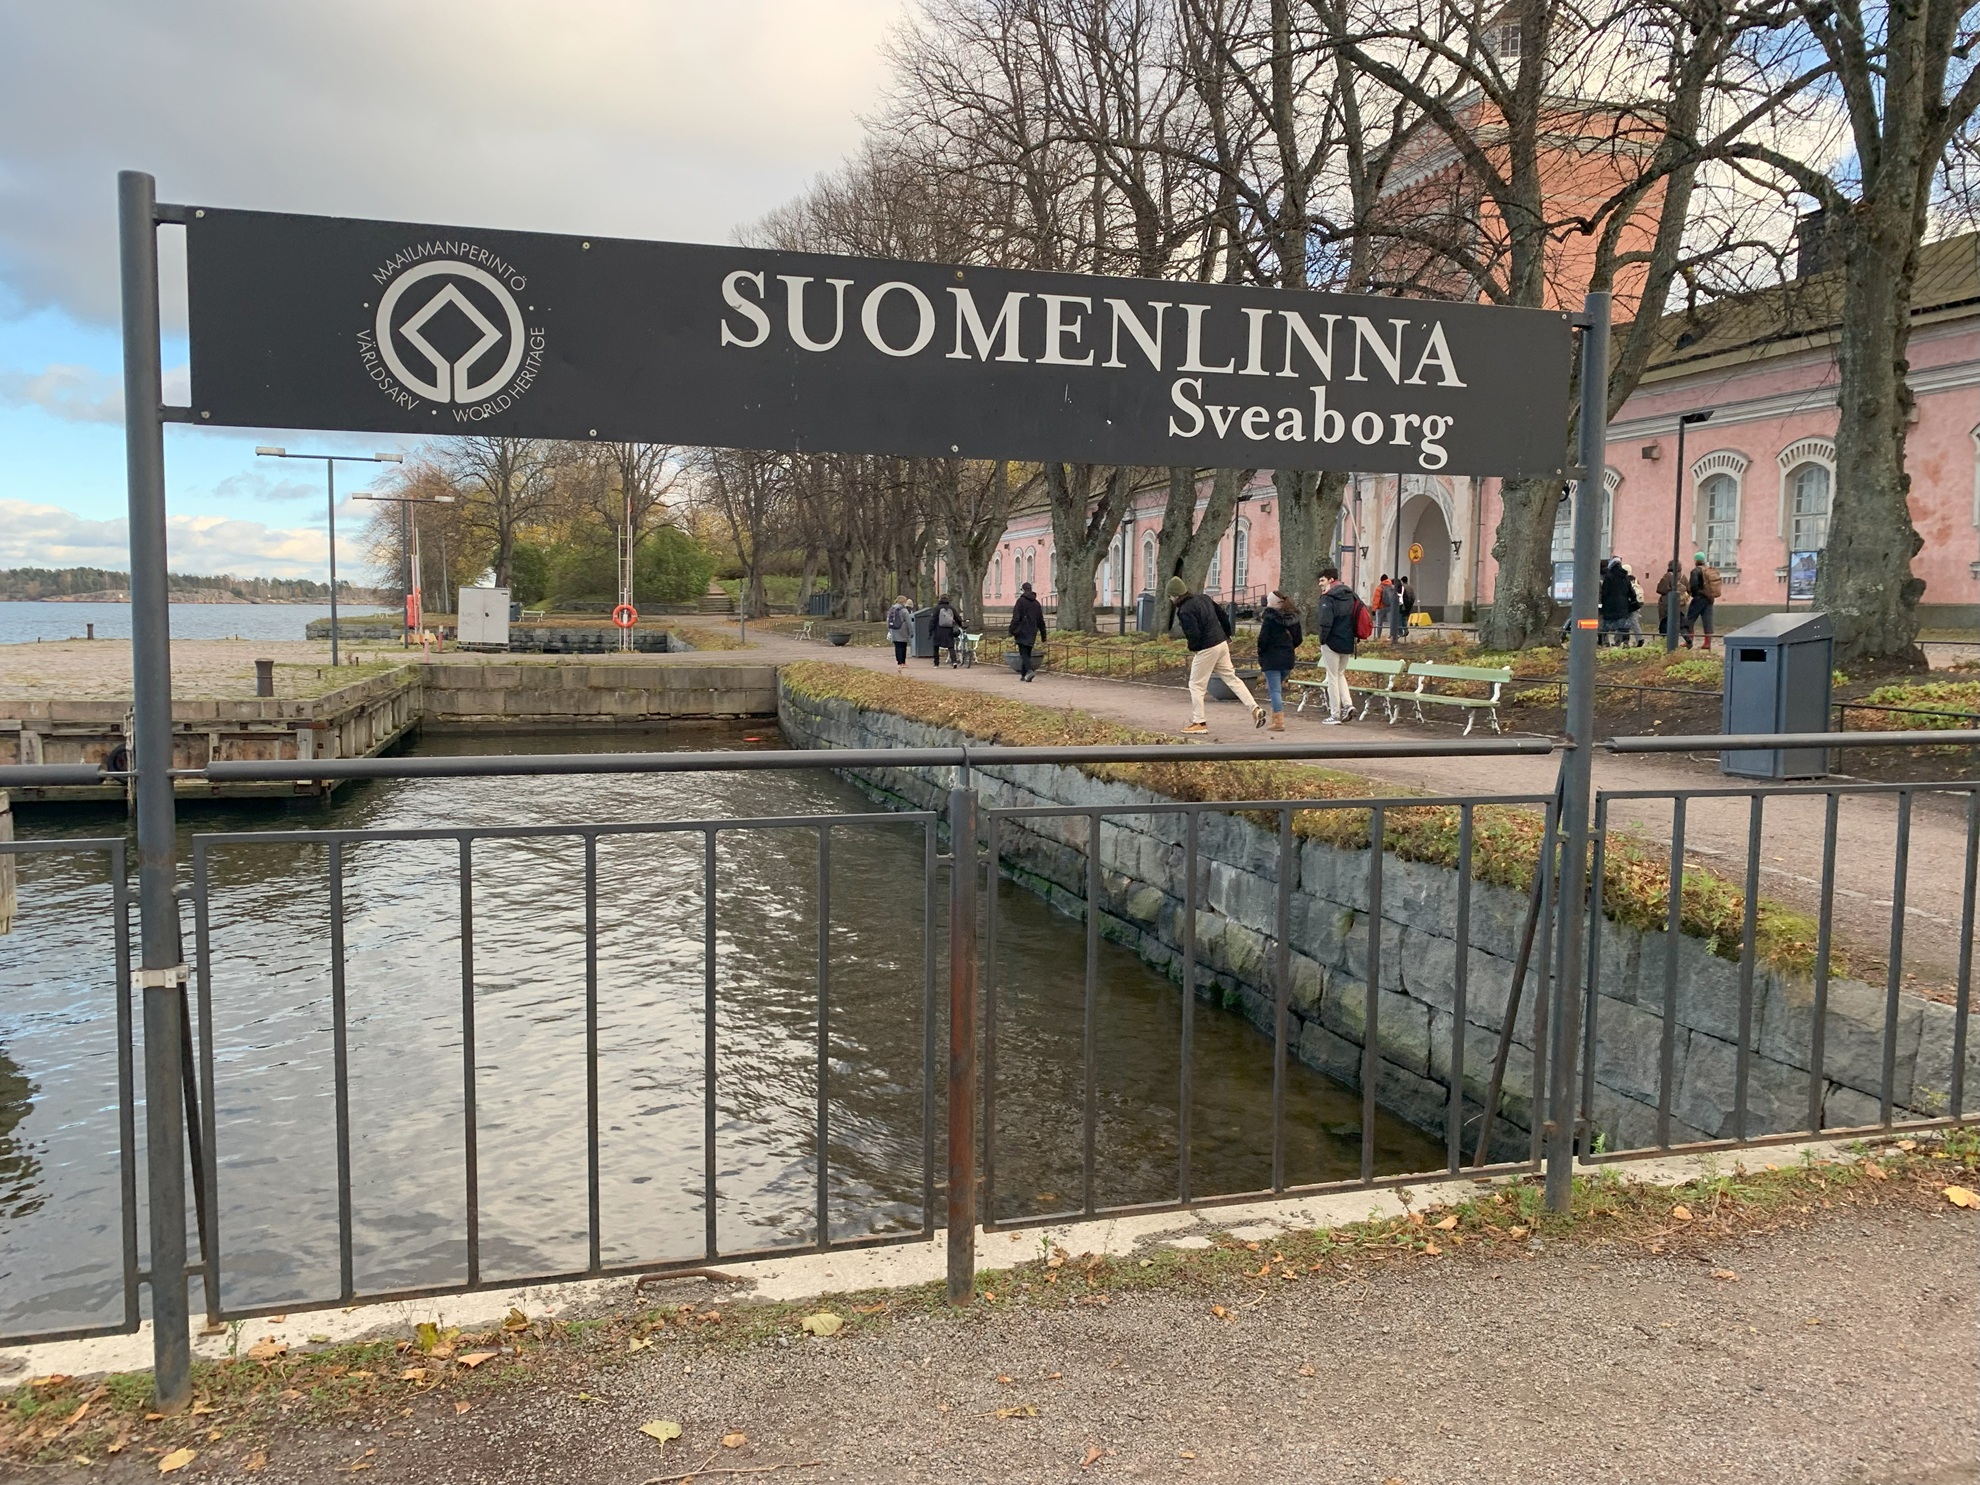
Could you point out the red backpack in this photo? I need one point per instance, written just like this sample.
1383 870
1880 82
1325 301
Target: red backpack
1364 621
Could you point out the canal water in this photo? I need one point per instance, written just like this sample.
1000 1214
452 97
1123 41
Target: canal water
274 1055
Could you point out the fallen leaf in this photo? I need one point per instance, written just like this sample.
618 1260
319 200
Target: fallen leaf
1724 1273
1431 1250
443 1351
76 1417
178 1459
1447 1223
1094 1454
255 1461
461 1407
1220 1312
267 1349
734 1440
822 1324
319 1339
1002 1378
869 1309
637 1343
1307 1371
199 1408
1959 1196
427 1334
277 1319
1681 1214
1517 1232
1021 1410
516 1320
662 1429
1875 1171
1055 1376
475 1358
1185 1454
1907 1144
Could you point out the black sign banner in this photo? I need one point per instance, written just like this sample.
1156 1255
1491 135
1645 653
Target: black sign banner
321 322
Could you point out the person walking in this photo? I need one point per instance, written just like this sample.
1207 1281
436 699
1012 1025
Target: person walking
1666 585
900 630
1207 630
1703 584
1632 624
948 621
1405 605
1027 628
1385 598
1279 636
1338 623
1614 603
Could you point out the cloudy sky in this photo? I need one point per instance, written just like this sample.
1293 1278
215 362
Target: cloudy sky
673 119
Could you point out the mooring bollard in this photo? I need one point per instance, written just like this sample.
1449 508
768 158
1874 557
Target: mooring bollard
962 1046
264 677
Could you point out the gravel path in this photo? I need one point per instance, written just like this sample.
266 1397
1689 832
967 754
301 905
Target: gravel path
1842 1352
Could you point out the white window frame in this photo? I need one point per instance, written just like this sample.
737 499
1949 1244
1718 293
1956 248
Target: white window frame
1149 547
1819 451
1562 549
1733 464
1241 556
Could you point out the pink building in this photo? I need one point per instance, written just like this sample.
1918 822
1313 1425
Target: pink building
1754 486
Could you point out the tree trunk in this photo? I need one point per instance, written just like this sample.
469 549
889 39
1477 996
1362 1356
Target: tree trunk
1088 502
1309 515
1522 611
808 583
1186 545
1864 580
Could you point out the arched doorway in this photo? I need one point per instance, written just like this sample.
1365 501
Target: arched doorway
1423 525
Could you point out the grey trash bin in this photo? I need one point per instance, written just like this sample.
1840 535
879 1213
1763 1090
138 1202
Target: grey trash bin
1144 613
922 647
1778 672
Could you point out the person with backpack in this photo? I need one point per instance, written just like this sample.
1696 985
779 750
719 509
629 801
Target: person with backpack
1027 628
1279 637
1405 605
1671 582
948 623
1704 586
1614 603
1342 621
1385 602
1207 630
900 630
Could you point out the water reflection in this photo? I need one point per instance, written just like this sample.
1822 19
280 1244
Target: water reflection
413 1013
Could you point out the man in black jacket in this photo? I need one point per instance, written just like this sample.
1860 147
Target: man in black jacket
1208 633
1027 628
1338 626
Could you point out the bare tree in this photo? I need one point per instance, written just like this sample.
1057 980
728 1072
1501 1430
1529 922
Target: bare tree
750 494
507 484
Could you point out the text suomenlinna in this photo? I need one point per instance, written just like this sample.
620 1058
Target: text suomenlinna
1327 357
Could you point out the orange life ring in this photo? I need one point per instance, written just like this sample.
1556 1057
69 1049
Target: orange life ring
625 616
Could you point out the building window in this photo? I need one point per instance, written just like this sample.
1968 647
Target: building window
1718 519
1148 562
1055 571
1215 578
1563 550
997 577
1505 40
1808 510
1031 565
1241 562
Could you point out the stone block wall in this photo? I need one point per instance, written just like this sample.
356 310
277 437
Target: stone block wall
1238 867
525 693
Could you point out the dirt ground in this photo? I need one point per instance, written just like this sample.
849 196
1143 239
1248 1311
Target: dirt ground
1840 1352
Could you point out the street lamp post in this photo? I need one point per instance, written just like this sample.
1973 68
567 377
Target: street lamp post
330 484
1673 603
408 540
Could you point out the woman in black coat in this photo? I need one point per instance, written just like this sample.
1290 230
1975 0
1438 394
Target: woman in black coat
1279 637
1027 628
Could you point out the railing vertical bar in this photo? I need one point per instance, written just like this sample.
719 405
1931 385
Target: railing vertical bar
1961 1009
1089 1028
990 977
1543 979
1371 1052
120 920
340 1058
824 1033
1460 1003
1894 976
1184 1084
470 1139
594 1245
1282 1008
930 850
1673 939
710 1226
1748 957
1818 1037
1585 1134
209 1187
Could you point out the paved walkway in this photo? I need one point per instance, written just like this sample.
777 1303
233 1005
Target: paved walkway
1715 830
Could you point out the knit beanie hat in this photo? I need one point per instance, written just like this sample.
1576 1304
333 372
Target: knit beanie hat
1178 588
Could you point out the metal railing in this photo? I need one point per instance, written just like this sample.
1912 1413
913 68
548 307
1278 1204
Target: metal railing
993 835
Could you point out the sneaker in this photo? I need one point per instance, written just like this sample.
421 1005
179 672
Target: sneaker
1197 727
1259 716
1330 720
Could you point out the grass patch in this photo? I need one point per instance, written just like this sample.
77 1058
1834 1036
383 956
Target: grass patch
1958 702
707 639
239 1401
1506 839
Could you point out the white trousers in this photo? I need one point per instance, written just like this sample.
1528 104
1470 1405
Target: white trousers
1215 661
1338 691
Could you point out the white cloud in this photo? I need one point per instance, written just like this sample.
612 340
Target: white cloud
656 118
48 536
81 394
256 484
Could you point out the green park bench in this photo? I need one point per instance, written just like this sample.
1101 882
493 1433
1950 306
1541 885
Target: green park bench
1495 677
1391 671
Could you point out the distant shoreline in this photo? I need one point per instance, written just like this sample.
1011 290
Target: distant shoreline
194 596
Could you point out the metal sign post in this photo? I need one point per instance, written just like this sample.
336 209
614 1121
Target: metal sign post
1578 768
161 977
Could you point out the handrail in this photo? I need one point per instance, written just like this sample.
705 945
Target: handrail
1713 743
